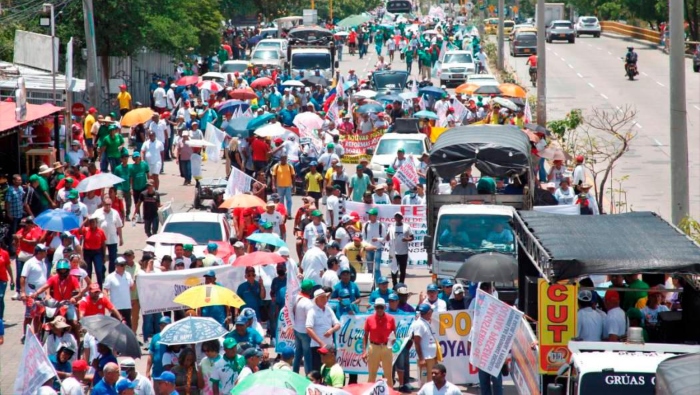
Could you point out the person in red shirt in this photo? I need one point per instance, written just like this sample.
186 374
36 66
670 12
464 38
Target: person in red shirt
97 304
94 244
25 240
378 327
260 150
5 277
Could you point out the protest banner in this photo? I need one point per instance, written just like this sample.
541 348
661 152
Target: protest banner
157 290
285 333
494 331
524 365
357 144
238 183
557 306
285 319
34 367
407 175
453 328
414 216
317 389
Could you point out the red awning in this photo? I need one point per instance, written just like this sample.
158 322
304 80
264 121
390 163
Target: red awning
34 112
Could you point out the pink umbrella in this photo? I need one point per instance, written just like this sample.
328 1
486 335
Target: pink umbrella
210 85
552 154
171 238
187 80
308 121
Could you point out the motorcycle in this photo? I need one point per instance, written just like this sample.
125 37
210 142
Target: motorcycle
533 76
631 70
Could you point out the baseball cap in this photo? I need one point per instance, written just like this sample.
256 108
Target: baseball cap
432 287
95 287
210 273
127 363
65 235
125 384
345 270
382 280
168 377
40 247
346 218
283 251
321 240
240 320
238 244
328 349
393 297
287 352
379 302
165 320
80 365
308 284
401 289
319 292
250 353
458 289
230 343
424 308
316 213
136 155
212 246
73 194
187 247
120 261
180 262
373 211
447 283
585 296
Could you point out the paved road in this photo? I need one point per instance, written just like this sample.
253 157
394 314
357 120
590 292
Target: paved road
590 74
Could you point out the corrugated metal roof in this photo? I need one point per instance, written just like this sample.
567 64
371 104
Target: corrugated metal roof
34 79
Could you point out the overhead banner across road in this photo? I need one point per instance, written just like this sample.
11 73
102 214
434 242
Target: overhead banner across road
557 312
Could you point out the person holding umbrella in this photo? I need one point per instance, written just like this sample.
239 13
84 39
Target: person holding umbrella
219 313
154 363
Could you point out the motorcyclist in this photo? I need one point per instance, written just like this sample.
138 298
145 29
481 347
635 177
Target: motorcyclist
631 59
532 61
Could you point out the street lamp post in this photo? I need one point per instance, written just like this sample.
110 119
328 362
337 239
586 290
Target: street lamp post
49 8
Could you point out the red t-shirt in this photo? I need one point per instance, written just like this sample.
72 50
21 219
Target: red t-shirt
63 290
93 239
532 61
4 264
87 307
379 329
260 150
118 205
34 234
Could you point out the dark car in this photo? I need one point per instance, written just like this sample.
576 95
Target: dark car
399 6
524 43
562 31
391 81
206 188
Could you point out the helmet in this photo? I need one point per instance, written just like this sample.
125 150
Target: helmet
65 346
62 264
630 48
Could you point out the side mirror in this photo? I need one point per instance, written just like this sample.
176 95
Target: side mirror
555 389
428 243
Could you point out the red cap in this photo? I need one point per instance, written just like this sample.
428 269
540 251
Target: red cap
236 74
451 109
278 140
92 110
381 114
357 238
612 295
79 365
166 114
122 86
355 215
580 158
94 287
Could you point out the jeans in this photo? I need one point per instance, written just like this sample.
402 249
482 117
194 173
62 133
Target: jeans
339 52
151 325
490 385
113 163
151 226
112 251
14 226
3 288
543 172
97 258
302 344
186 170
104 163
374 261
409 66
286 197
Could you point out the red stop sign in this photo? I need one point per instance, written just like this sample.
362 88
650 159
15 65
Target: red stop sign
78 109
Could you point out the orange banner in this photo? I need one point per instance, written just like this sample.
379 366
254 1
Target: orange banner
557 316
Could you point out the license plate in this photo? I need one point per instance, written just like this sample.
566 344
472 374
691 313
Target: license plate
457 75
562 35
526 50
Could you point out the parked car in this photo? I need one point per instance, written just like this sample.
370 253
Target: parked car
524 43
560 30
279 44
587 25
203 227
456 66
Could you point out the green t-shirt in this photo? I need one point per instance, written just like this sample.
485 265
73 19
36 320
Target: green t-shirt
102 131
125 173
333 376
629 299
112 145
43 187
139 175
359 186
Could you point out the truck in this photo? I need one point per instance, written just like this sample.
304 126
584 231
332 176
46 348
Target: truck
311 49
497 151
552 12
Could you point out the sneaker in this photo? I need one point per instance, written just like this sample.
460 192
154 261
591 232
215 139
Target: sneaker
22 340
405 389
15 296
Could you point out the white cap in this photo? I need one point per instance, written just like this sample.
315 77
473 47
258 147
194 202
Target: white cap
149 248
186 133
319 292
379 302
346 218
283 251
127 363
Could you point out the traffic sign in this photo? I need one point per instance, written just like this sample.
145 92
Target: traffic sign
78 109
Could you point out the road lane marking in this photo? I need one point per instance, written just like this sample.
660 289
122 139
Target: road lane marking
599 48
570 66
591 85
697 108
556 54
660 83
658 143
609 53
637 125
645 74
563 60
549 49
579 75
604 97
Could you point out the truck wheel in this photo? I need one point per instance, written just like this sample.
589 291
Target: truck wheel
696 68
197 201
597 35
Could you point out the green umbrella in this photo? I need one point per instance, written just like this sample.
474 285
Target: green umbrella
273 378
354 20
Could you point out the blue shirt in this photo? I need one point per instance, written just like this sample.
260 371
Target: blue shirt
277 284
280 297
156 350
377 293
251 336
250 293
351 287
15 201
275 99
218 313
103 388
345 309
104 360
287 117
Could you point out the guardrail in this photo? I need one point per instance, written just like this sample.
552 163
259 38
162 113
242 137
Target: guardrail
639 33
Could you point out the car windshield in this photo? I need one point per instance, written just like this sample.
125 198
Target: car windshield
202 232
389 147
266 55
269 44
311 61
562 25
458 58
508 24
390 80
234 67
478 233
526 37
589 20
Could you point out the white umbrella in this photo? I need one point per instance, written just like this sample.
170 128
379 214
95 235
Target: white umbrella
408 95
341 34
210 85
171 238
198 143
505 103
270 130
366 93
98 181
294 83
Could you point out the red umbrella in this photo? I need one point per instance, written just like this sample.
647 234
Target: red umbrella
210 85
258 258
359 389
242 94
224 249
188 80
262 82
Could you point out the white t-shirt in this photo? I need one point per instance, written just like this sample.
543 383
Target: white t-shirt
312 231
615 322
565 197
71 386
447 389
184 113
159 97
92 204
79 209
119 289
321 320
170 358
225 375
275 219
326 159
333 206
579 175
159 129
170 97
109 222
341 234
371 230
34 272
143 385
589 325
421 327
330 279
245 372
313 263
74 157
301 310
384 199
396 235
151 151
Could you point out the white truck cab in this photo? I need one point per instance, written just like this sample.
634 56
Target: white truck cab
309 60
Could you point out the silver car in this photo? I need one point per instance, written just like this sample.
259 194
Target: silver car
587 25
560 30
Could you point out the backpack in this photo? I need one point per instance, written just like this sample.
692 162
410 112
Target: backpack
381 229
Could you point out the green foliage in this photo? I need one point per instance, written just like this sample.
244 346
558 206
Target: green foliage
611 11
560 127
691 227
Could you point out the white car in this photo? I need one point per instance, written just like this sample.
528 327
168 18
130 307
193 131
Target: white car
456 66
266 57
414 144
214 76
587 25
279 44
203 227
234 66
483 80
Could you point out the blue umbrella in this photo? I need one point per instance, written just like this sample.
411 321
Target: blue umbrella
425 114
267 238
238 127
371 107
230 106
192 330
432 91
390 98
57 220
260 121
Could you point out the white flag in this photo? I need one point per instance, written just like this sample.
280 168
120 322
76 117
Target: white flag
527 111
34 367
215 136
238 183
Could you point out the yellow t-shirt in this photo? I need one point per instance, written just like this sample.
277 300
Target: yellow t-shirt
352 251
314 182
124 100
89 121
283 174
329 176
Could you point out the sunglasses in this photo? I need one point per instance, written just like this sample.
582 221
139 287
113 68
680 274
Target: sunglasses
379 307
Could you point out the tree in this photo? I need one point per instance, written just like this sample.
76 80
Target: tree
603 137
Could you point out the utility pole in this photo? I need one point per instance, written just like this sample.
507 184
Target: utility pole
330 9
679 122
48 7
501 15
93 80
541 67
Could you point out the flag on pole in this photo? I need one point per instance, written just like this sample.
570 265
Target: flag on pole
460 111
527 111
332 113
339 88
421 103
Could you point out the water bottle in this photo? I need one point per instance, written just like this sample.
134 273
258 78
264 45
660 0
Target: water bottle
12 286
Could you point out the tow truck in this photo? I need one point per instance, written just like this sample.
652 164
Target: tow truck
311 49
